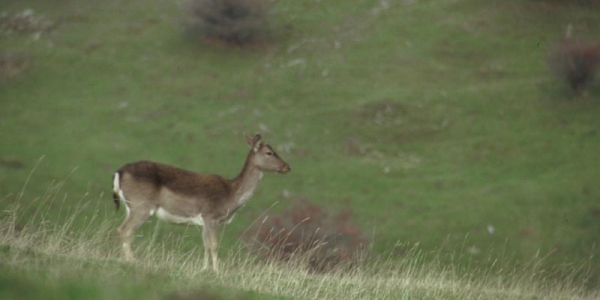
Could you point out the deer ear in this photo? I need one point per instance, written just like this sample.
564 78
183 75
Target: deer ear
254 142
248 139
257 138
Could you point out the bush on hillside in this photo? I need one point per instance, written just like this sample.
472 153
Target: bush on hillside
305 232
232 21
575 61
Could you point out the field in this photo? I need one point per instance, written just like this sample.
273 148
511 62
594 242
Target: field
437 123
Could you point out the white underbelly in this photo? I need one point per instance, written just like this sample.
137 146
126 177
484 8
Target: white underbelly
164 215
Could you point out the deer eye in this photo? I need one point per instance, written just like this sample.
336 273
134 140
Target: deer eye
269 153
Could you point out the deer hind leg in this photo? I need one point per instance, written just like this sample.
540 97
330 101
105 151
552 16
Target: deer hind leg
211 243
135 218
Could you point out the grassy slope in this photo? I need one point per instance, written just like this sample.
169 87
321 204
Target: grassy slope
61 261
453 97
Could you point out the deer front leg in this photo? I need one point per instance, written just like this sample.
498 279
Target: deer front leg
211 243
214 247
205 240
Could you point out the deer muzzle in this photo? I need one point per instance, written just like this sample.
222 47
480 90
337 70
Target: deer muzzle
285 169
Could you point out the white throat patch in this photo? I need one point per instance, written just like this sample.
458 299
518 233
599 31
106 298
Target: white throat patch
248 194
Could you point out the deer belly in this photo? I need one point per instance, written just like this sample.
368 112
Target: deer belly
166 216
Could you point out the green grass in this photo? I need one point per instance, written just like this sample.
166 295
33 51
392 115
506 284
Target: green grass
461 124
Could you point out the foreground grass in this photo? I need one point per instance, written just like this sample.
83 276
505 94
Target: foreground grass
55 260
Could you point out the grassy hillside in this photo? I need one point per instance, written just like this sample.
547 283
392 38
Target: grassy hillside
61 261
436 122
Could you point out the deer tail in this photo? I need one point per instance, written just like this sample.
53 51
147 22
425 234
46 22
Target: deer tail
117 190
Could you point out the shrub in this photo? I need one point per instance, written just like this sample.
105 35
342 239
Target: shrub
305 232
575 61
232 21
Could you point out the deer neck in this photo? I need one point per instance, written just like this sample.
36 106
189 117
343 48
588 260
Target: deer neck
245 183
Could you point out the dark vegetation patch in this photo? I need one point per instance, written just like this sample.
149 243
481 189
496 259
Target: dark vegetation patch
235 22
575 61
306 232
12 162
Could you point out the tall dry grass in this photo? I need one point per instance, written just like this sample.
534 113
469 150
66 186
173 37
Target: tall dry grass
61 229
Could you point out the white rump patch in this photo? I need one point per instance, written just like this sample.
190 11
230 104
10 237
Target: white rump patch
116 183
166 216
117 189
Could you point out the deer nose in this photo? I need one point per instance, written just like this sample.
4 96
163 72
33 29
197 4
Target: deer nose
285 169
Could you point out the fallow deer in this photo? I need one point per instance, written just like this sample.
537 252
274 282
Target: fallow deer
183 197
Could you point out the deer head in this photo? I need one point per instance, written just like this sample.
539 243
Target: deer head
264 157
